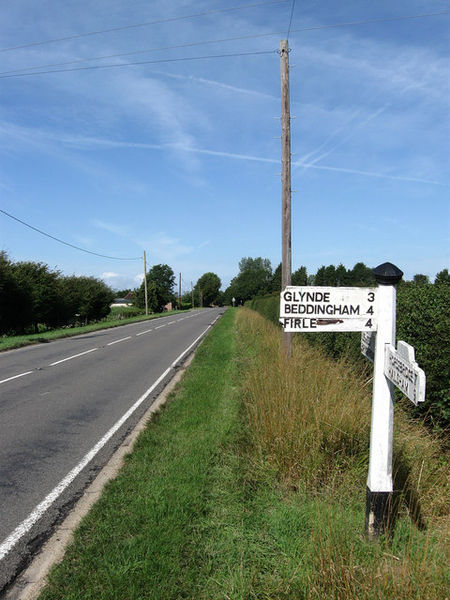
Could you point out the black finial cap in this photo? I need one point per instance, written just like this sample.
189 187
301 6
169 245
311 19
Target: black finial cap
387 274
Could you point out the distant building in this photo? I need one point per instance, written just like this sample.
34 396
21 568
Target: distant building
121 302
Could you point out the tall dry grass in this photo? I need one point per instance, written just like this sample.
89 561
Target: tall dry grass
309 419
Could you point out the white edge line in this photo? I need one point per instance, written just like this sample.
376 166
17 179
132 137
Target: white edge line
142 332
121 340
70 357
15 376
40 509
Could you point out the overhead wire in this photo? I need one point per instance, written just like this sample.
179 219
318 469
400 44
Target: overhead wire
145 62
63 242
290 19
33 70
143 24
148 50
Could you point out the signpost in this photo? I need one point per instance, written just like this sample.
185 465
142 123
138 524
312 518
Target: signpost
373 312
401 368
368 344
309 308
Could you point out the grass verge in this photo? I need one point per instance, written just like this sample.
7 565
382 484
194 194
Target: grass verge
18 341
228 495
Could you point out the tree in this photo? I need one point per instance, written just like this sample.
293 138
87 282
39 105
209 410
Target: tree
330 275
442 278
420 279
86 298
208 286
254 279
14 300
45 304
319 279
341 275
160 283
275 285
300 276
361 275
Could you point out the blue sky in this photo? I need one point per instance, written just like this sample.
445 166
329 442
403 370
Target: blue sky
182 158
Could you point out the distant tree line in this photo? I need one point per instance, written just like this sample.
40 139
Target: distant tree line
161 282
256 278
32 295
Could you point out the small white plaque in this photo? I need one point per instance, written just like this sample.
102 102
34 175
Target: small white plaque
368 344
401 368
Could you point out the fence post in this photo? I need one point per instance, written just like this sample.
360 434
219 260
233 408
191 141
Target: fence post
379 481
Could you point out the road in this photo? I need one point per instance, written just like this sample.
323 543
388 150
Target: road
65 406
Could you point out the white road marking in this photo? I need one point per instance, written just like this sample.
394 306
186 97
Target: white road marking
8 544
159 326
15 376
170 322
70 357
121 340
142 332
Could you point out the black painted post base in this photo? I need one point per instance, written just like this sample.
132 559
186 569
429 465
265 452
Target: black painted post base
378 513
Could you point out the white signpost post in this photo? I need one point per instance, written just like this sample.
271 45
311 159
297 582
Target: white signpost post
373 312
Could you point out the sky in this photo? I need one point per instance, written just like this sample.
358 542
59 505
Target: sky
180 155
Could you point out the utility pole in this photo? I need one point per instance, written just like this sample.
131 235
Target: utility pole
192 293
145 284
179 293
286 253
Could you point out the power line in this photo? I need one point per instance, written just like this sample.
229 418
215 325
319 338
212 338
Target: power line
290 20
21 72
144 24
63 242
368 21
145 62
160 49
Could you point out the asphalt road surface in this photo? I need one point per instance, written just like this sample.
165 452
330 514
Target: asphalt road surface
65 406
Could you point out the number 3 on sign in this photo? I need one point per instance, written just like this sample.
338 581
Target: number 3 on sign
370 298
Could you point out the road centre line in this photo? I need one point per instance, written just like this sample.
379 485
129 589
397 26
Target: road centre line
159 326
171 322
8 544
73 356
15 376
142 332
121 340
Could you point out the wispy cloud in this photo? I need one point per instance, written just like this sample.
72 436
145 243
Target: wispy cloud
218 84
121 230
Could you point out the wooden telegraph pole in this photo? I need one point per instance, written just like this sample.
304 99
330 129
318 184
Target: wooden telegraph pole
179 293
145 284
286 261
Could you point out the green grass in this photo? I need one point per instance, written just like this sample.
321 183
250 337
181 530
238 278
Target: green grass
18 341
212 504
